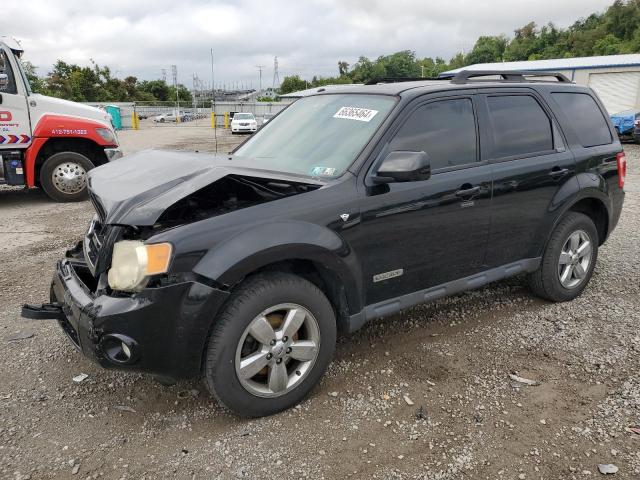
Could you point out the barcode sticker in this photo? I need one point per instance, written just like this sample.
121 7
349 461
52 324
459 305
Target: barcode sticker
356 113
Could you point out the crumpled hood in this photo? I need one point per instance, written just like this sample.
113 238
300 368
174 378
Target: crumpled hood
136 189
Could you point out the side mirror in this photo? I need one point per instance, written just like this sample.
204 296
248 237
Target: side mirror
403 166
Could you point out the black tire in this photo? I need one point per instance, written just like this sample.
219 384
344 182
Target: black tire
51 164
247 301
545 282
162 120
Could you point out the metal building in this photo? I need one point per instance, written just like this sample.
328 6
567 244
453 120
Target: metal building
615 78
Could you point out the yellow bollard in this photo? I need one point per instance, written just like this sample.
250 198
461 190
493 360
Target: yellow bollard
134 121
213 120
226 119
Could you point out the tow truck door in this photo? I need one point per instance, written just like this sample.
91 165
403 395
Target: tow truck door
15 127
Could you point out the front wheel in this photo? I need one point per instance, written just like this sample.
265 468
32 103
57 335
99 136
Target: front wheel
63 176
270 345
568 260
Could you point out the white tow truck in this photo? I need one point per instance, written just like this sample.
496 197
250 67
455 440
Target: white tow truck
48 142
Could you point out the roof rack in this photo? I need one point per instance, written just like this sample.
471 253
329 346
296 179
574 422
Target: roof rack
464 76
375 81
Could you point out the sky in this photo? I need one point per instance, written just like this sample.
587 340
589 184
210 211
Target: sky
309 37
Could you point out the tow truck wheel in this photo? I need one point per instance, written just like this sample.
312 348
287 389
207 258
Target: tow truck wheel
64 176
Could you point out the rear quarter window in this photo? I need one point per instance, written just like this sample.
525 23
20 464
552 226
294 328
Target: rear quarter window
585 117
520 126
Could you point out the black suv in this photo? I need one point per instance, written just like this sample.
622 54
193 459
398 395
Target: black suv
344 208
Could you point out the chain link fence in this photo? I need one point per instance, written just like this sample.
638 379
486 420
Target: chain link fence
183 114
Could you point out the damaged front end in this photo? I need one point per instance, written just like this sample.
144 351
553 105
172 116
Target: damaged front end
159 323
230 193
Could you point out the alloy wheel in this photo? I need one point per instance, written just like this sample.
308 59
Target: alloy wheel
277 350
575 259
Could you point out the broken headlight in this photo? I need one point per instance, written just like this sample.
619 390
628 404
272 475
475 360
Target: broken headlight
133 262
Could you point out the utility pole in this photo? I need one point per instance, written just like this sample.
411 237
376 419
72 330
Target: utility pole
276 76
213 88
260 67
422 71
174 73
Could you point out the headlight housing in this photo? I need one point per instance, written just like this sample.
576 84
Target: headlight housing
107 135
133 262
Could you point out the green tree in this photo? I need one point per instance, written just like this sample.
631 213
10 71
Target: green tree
292 83
157 88
184 94
487 50
36 83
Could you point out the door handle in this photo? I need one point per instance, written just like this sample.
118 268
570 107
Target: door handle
468 192
558 172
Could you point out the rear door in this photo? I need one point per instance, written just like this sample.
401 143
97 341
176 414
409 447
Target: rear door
15 128
530 165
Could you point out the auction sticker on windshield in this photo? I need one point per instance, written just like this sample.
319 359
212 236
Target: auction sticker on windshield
356 113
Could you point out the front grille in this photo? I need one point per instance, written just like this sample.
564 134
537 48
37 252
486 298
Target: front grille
93 243
98 207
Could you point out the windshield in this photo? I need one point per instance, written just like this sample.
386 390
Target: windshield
23 74
319 136
243 116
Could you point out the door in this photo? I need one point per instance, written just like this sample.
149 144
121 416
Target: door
415 235
530 164
618 91
15 128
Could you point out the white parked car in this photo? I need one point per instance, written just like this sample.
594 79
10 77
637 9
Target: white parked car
244 122
167 117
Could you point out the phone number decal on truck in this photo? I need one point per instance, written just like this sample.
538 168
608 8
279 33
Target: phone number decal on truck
65 131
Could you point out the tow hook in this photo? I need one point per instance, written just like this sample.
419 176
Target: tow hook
43 311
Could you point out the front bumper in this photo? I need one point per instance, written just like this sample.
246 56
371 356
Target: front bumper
165 328
113 153
243 129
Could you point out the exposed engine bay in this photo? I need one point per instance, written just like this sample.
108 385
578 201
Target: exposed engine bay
228 194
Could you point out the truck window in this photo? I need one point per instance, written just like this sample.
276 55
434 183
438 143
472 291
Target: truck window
5 67
585 117
445 129
519 126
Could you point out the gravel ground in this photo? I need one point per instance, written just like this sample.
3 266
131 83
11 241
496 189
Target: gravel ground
450 359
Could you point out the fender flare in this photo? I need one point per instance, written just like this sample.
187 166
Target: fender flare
588 191
229 262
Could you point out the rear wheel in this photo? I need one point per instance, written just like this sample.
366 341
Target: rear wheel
63 176
568 261
271 344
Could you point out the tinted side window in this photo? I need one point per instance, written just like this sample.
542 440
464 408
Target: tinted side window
586 118
445 129
519 126
5 67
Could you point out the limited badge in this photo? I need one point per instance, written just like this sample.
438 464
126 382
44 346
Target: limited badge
387 275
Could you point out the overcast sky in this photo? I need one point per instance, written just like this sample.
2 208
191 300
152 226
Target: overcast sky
140 37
